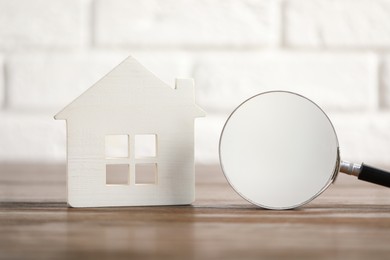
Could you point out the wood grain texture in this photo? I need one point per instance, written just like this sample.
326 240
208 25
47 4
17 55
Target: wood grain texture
351 220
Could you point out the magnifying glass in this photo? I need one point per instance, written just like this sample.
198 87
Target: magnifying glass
279 150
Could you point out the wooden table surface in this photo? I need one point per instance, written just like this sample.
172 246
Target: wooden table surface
351 220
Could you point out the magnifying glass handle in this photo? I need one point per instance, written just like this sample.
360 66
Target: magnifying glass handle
366 173
374 175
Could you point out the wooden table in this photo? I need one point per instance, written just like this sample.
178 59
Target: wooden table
351 220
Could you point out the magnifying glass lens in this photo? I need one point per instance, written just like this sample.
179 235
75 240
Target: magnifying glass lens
279 150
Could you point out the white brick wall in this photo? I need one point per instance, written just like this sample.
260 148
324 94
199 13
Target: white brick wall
334 81
52 80
32 137
41 23
2 87
385 82
335 52
337 23
190 22
363 136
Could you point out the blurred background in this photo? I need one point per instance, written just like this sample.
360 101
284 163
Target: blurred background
335 52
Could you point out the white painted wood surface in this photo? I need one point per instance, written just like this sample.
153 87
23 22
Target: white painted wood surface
131 101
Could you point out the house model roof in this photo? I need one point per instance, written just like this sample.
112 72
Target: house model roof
131 86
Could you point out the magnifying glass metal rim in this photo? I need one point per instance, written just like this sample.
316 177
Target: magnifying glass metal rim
332 178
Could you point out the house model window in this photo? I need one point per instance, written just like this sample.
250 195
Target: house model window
117 174
117 146
145 149
125 164
145 146
146 173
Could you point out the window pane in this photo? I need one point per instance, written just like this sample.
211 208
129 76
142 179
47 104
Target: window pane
146 173
117 146
145 145
117 174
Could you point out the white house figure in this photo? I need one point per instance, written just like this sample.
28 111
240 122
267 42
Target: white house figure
133 126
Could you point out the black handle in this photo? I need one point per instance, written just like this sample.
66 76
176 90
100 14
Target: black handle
374 175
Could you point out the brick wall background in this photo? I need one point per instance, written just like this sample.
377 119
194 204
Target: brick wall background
336 52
